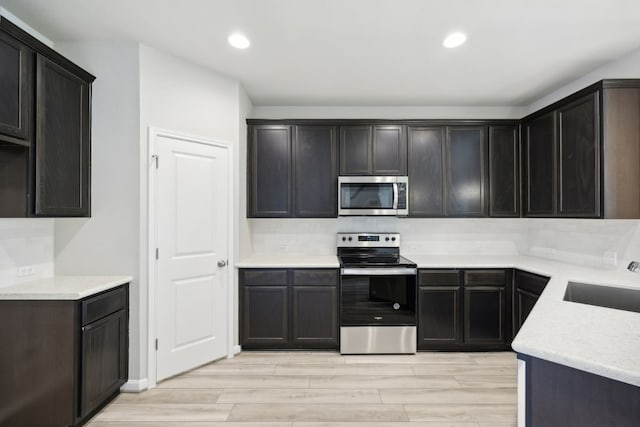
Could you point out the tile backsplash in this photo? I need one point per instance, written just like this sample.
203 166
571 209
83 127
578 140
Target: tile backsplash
597 243
26 244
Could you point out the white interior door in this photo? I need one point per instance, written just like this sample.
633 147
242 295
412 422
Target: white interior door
192 235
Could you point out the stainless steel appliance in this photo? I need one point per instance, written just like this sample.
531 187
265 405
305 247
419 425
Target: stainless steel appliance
373 195
377 295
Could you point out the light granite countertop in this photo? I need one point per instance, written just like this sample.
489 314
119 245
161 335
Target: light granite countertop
594 339
62 287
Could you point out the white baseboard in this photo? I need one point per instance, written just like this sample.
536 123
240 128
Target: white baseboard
134 386
237 349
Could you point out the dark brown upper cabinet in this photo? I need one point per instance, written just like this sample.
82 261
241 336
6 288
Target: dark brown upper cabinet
270 171
466 171
45 129
504 174
315 181
63 142
373 150
579 158
540 165
355 150
292 171
16 88
426 171
581 154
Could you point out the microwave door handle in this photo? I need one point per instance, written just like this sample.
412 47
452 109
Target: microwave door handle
395 196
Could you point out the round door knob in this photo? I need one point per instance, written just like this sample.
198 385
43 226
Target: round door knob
222 263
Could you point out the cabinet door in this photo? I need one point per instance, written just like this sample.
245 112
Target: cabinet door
355 150
523 302
389 150
540 166
527 287
265 316
484 317
103 365
16 87
439 317
270 171
504 179
63 142
466 171
314 316
315 172
579 158
425 167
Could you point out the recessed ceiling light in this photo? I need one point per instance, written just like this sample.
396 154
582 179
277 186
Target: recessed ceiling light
454 39
239 41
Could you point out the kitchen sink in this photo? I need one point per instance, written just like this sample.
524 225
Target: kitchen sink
604 296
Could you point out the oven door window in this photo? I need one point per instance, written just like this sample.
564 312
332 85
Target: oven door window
366 196
378 300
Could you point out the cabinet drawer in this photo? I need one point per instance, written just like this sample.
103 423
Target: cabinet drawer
102 305
259 277
485 277
439 277
314 277
530 282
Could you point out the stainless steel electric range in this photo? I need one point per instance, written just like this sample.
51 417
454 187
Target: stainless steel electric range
377 295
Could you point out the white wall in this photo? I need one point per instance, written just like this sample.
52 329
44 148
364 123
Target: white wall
386 112
180 96
107 243
25 242
627 67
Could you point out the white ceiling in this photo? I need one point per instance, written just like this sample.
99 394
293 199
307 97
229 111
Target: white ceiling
365 52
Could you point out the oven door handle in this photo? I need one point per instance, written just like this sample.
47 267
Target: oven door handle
378 271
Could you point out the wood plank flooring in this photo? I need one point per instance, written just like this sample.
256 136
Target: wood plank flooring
324 389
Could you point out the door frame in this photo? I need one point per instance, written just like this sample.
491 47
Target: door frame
154 133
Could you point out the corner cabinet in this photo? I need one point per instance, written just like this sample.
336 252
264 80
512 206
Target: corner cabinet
580 154
464 309
288 308
45 130
63 360
527 288
504 171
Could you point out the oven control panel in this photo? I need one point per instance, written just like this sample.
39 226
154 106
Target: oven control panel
368 240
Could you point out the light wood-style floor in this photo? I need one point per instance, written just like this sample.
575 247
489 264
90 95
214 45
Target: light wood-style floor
316 389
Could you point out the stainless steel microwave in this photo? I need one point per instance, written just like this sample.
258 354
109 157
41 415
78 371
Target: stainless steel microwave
373 195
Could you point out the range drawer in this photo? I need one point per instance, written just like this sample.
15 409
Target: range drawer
439 277
263 277
530 282
103 304
485 277
314 277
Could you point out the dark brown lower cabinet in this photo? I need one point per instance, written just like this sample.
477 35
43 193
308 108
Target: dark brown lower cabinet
560 396
62 360
486 311
464 309
527 287
289 308
439 309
